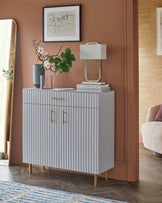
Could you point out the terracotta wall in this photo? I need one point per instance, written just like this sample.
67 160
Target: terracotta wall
104 21
150 65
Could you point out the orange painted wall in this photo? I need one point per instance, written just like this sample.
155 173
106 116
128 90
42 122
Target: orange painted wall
101 21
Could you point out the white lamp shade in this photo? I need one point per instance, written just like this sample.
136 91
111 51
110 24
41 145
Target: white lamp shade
93 51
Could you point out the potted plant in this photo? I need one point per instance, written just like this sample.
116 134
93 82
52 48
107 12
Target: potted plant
57 63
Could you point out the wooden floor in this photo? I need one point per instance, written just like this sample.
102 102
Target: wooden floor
148 189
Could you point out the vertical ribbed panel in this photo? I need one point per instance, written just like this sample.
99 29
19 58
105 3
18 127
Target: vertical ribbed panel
73 145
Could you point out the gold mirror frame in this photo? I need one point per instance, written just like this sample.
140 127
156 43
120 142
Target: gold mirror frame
10 93
13 46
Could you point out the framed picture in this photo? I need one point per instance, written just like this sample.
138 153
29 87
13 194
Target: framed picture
159 31
61 24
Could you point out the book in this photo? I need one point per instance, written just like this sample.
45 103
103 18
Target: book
62 89
94 90
81 86
93 83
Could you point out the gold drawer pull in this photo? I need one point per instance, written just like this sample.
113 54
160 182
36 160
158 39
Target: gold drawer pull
51 116
63 119
58 98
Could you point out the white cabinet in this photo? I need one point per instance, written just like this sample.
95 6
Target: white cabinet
69 130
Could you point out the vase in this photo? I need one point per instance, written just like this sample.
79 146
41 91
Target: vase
38 70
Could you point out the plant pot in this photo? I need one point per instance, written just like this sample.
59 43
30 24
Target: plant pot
38 70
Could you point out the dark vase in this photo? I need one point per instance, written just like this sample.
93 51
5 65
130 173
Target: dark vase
38 70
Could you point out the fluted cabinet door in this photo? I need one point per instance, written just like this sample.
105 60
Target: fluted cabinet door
58 139
36 130
79 139
42 135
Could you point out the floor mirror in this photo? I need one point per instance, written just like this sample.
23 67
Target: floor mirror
8 36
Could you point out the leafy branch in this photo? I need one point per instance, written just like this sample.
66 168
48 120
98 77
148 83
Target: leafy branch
54 63
63 63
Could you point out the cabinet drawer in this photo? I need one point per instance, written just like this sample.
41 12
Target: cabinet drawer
64 98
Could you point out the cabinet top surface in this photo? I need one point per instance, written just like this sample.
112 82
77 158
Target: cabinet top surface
69 90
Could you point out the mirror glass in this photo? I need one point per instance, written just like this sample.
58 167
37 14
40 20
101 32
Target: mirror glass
8 34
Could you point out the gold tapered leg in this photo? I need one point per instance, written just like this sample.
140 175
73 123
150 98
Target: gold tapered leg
43 168
30 169
106 175
95 180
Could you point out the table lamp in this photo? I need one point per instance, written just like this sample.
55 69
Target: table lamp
93 51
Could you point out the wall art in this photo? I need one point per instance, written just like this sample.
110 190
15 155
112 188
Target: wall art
61 23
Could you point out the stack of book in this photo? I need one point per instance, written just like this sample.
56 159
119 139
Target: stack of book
93 87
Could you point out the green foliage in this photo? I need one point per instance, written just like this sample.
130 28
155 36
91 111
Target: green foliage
64 63
55 63
51 60
56 60
8 74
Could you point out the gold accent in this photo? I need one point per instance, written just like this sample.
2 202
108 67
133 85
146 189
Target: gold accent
106 175
43 168
58 98
30 169
51 115
63 119
92 43
100 72
95 180
86 67
13 45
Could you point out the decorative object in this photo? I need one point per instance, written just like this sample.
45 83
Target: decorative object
48 82
38 70
159 31
78 125
151 130
93 51
16 192
55 63
42 81
61 23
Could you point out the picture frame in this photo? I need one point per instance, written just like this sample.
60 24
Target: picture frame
159 31
62 23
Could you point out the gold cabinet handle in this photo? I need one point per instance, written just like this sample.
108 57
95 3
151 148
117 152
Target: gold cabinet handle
63 120
58 98
51 115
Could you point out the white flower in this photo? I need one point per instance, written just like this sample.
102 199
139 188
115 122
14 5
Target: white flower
40 50
47 65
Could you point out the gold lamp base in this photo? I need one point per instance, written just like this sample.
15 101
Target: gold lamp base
86 72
